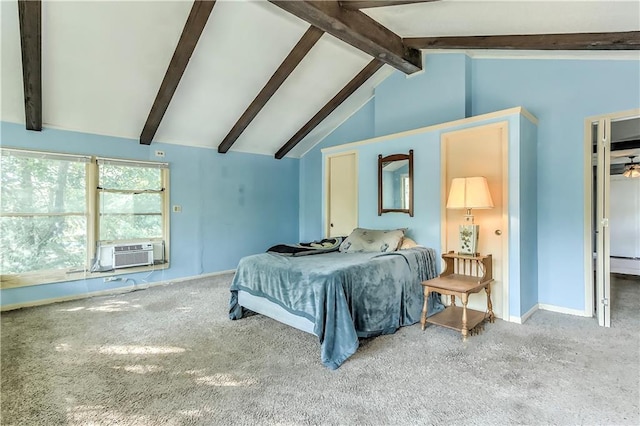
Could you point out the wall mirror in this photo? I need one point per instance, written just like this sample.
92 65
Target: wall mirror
395 183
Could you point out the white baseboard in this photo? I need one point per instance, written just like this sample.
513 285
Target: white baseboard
625 266
523 318
546 307
118 290
563 310
625 271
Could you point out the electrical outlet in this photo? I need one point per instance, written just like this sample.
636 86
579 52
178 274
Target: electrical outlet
177 208
159 153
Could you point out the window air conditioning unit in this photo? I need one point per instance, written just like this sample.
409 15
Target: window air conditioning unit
117 256
127 255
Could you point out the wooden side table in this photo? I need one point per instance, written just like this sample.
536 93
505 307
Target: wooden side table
463 275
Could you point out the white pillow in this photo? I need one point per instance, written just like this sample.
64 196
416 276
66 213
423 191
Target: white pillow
372 240
407 243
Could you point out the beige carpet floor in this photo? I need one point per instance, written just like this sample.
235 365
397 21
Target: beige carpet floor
168 355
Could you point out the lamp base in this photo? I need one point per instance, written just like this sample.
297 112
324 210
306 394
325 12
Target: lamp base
469 240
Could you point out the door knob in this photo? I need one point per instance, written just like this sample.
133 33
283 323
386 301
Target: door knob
498 232
332 225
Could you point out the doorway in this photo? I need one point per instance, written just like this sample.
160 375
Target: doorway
612 246
480 151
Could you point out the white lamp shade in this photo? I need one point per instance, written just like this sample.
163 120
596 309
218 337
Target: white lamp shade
469 193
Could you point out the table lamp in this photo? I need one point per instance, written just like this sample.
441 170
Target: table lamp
469 193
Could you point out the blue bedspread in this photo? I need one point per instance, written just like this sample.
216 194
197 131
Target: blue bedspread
345 295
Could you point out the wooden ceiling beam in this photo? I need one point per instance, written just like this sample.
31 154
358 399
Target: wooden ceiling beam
300 50
364 4
191 32
576 41
342 95
30 17
357 29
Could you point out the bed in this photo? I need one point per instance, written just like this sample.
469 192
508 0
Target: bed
339 297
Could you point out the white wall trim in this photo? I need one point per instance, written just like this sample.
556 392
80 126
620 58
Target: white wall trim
118 290
523 318
525 113
589 55
449 124
588 253
563 310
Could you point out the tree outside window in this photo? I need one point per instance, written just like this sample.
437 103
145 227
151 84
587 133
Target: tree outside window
43 223
52 220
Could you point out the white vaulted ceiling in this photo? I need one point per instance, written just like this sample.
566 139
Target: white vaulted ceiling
103 62
500 17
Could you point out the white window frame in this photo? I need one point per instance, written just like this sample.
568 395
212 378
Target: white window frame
164 176
92 223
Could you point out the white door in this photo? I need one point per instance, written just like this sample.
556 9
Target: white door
624 224
597 186
481 151
341 194
602 266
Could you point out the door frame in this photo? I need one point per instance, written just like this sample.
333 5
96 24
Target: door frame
504 127
589 283
327 188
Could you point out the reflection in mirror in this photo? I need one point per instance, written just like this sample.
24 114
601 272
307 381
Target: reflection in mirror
395 183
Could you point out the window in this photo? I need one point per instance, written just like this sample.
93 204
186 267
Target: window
130 200
43 223
55 209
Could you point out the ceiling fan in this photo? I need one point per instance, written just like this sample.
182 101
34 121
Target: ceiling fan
631 169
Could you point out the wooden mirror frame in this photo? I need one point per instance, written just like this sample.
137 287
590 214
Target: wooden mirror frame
389 158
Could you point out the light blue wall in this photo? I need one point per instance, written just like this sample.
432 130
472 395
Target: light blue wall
359 126
436 95
425 226
388 194
528 220
229 208
521 227
398 195
561 94
468 105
